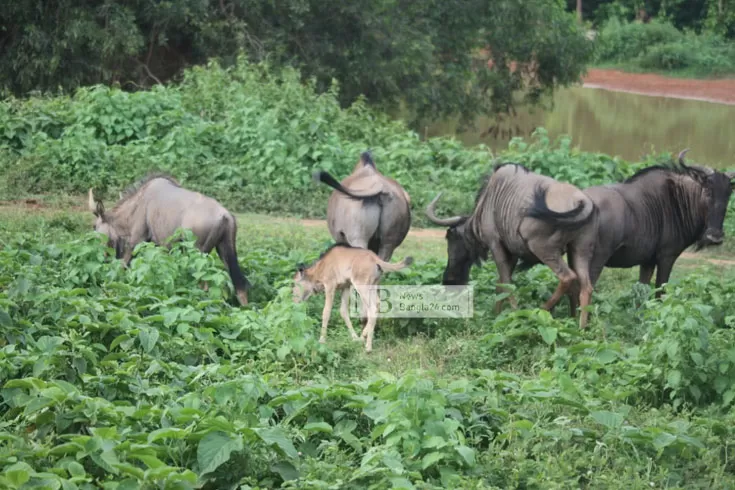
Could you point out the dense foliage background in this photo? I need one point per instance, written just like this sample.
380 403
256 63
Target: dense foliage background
250 136
431 55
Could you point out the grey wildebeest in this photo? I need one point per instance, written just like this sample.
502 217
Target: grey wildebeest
367 209
518 215
152 209
650 219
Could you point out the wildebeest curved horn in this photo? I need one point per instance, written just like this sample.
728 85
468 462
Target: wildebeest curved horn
681 155
440 221
91 203
730 175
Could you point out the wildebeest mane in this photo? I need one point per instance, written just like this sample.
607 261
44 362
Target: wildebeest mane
675 168
133 189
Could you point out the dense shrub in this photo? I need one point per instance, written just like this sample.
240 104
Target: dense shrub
659 46
250 137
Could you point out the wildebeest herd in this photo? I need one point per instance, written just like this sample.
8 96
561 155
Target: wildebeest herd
520 217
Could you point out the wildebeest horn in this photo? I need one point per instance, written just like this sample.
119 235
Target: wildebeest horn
439 221
97 208
681 155
91 203
730 175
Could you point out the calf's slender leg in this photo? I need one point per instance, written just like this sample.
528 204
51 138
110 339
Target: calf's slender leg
328 301
345 311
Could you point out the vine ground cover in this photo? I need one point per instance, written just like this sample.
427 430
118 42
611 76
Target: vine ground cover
140 379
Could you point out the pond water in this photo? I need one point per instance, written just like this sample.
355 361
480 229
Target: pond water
616 123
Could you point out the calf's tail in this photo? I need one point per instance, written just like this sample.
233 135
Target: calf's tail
387 266
566 220
228 253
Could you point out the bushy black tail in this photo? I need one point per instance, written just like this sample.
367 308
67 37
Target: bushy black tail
565 220
325 177
228 254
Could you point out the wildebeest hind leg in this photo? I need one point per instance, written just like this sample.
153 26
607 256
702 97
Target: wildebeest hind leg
644 277
556 263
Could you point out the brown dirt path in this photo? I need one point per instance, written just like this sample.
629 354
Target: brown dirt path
440 233
720 90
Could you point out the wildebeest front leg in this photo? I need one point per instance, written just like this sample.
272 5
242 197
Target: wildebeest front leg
505 264
137 235
644 277
328 301
345 311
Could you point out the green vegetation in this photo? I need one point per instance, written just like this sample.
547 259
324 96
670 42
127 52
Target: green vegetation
251 137
140 379
659 47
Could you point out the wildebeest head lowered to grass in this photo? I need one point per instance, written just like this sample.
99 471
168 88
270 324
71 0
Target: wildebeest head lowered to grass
367 209
518 215
155 207
651 218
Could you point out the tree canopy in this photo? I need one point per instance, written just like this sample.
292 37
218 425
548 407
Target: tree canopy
439 57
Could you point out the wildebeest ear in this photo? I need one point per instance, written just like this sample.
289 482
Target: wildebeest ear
301 267
731 176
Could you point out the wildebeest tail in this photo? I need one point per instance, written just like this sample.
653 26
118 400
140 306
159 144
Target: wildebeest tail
228 253
387 266
325 177
571 219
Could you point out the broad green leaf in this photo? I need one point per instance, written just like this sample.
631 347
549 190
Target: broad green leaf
75 469
674 378
401 484
167 433
319 427
431 459
148 338
663 439
286 470
276 436
215 449
5 320
467 453
19 473
611 420
548 334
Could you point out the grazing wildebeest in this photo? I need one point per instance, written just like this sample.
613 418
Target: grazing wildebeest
518 215
155 207
650 219
367 209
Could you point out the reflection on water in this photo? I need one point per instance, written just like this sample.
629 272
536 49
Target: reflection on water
619 124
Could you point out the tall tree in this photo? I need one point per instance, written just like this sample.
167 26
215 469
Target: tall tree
439 57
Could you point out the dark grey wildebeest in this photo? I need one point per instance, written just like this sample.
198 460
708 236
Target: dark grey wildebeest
650 219
367 209
518 215
155 207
